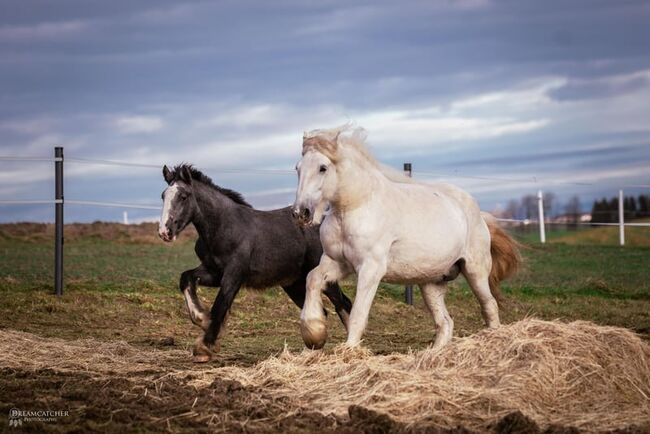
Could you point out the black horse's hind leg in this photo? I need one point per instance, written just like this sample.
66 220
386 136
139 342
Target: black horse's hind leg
341 302
188 283
205 346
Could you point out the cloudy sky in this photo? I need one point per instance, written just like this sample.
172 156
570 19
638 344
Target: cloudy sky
551 95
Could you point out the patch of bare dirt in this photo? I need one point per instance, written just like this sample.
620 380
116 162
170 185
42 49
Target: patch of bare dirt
146 233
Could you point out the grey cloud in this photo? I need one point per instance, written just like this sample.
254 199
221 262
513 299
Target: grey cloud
309 62
595 89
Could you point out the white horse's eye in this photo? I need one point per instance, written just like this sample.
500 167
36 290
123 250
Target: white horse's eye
323 168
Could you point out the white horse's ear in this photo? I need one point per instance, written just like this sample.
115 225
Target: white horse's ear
336 138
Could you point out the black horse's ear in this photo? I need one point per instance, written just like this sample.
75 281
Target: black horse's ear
168 175
186 175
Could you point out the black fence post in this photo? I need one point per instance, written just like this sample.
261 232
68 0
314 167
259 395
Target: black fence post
58 221
408 290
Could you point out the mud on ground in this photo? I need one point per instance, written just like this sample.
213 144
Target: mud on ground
143 233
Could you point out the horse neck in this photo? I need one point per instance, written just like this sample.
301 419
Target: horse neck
356 181
213 206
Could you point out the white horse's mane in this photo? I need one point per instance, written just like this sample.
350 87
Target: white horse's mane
348 137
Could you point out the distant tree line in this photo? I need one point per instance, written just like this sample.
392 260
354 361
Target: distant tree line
606 211
526 207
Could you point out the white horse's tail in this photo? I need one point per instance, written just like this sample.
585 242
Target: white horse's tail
505 255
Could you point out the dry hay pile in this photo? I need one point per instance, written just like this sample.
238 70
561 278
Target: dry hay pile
579 374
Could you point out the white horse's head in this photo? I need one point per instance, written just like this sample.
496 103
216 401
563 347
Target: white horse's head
317 177
335 171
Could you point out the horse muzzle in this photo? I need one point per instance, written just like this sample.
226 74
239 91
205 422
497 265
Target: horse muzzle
166 235
302 215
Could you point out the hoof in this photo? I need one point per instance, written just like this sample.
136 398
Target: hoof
203 358
201 353
314 333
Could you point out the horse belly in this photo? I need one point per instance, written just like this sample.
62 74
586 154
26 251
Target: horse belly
276 262
280 270
428 242
409 265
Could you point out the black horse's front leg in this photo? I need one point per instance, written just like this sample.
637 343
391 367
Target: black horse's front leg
207 345
188 283
341 302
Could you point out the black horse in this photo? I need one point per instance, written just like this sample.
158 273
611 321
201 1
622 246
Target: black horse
238 246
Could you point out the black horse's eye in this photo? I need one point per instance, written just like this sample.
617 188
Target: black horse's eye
323 168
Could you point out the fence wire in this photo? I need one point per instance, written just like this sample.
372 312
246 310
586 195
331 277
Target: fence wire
526 222
29 202
112 204
19 158
97 161
159 166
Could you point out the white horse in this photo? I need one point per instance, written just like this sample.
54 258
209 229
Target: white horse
382 225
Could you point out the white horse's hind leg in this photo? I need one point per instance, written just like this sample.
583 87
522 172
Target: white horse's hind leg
313 326
477 276
434 298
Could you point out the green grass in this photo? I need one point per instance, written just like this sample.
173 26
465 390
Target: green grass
530 235
609 235
587 235
117 290
96 264
560 269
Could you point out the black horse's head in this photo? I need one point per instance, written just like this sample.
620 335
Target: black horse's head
179 203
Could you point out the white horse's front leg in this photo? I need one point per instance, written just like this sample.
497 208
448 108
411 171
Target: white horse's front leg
369 275
313 326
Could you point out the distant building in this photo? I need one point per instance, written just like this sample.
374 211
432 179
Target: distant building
571 218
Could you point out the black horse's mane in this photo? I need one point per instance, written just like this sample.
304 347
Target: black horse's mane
197 175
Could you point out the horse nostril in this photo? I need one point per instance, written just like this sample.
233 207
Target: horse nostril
306 213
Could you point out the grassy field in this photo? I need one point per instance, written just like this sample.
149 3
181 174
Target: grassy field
117 289
586 235
124 288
